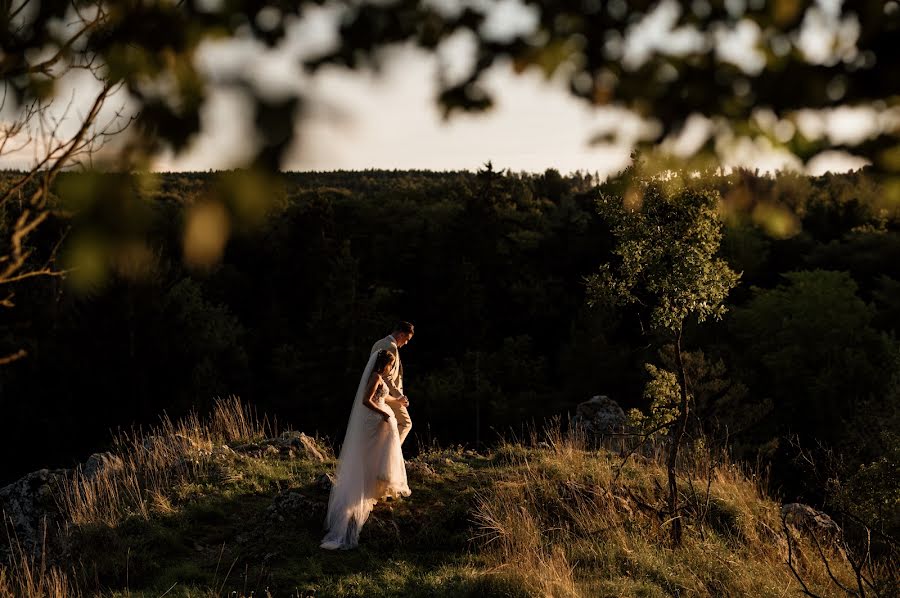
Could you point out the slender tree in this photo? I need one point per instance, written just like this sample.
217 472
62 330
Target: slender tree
667 235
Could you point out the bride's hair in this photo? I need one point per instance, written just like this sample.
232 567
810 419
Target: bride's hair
382 359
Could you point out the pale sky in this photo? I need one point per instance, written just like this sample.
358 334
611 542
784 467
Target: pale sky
390 120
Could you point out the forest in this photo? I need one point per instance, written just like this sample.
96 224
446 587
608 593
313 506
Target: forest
800 377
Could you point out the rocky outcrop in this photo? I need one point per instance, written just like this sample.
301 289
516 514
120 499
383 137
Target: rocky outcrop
101 463
809 520
598 416
31 502
28 505
291 444
419 468
303 445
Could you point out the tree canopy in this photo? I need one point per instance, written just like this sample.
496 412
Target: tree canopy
730 61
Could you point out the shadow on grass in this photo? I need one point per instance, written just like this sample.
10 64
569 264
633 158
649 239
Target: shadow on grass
261 533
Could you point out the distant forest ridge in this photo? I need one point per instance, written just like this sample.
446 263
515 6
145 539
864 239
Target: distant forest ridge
490 267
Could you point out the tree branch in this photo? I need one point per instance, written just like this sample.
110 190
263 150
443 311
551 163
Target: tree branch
787 534
20 354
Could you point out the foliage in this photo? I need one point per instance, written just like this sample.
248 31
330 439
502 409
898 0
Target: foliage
662 395
145 56
142 45
871 493
288 316
668 235
817 355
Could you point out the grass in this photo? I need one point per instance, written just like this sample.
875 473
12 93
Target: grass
542 517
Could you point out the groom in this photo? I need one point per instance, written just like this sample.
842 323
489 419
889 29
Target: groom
397 401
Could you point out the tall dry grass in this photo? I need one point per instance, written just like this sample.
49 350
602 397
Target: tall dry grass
28 575
572 522
144 465
137 473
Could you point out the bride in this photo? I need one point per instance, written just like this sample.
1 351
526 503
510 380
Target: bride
371 464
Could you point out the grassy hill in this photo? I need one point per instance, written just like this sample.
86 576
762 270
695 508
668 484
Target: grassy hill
211 508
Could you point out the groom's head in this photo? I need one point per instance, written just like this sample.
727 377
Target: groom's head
402 333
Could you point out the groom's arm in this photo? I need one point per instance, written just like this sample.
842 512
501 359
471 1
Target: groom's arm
393 392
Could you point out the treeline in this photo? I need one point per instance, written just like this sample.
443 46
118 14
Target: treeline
490 267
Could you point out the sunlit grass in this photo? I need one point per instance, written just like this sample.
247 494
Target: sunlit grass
546 516
565 524
146 465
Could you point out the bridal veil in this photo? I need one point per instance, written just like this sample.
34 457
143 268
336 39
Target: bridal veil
370 467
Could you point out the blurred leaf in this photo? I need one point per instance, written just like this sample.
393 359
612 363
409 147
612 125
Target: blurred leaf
86 258
777 220
207 228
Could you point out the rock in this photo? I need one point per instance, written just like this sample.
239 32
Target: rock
289 445
250 449
303 445
311 449
806 518
290 436
419 468
599 416
30 503
102 463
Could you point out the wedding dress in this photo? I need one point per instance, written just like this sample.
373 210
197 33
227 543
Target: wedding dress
370 468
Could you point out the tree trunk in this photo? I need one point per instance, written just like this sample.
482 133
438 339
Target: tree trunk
676 437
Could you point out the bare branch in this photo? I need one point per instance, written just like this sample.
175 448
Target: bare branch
829 571
21 353
787 534
67 149
45 66
34 274
644 437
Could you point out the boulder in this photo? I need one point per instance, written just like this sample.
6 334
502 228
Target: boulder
599 416
29 504
808 519
419 468
102 463
303 445
250 449
289 445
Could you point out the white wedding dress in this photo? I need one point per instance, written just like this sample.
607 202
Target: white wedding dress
370 468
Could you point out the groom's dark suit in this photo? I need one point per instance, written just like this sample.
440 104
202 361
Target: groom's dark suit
394 383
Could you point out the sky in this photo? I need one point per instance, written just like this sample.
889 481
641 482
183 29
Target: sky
360 120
